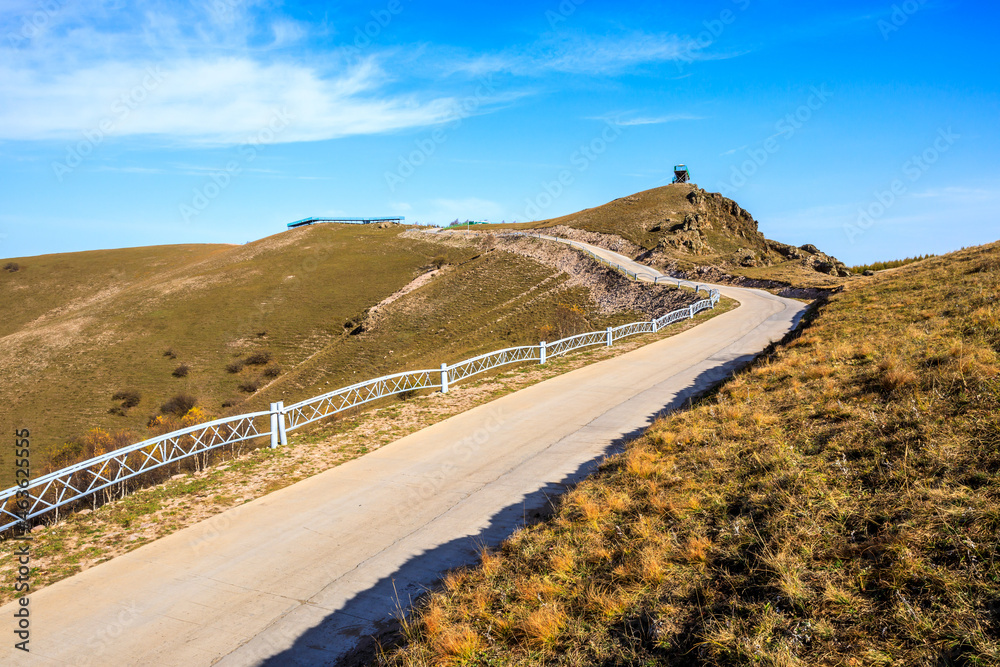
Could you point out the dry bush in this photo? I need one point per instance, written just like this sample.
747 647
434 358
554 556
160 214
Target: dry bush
129 397
179 405
260 358
235 366
181 371
249 386
12 267
272 372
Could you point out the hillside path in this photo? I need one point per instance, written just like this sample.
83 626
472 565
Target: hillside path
307 574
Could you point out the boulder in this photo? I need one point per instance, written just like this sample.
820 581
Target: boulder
810 248
747 258
785 250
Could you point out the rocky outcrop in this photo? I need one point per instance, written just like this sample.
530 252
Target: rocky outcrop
747 258
826 264
718 212
690 240
785 250
811 257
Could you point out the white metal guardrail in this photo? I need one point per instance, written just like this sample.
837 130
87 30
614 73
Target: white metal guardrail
313 409
34 498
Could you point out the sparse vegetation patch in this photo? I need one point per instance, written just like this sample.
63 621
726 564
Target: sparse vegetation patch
835 504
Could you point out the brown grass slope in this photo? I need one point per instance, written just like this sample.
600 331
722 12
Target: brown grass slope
235 327
837 503
681 227
80 327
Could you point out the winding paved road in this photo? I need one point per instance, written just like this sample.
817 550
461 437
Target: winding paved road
306 575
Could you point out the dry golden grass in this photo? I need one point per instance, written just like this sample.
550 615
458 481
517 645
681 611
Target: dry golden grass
838 503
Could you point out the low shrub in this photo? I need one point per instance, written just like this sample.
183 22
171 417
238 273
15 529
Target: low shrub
272 372
129 398
12 267
261 358
181 371
250 386
235 366
179 405
169 353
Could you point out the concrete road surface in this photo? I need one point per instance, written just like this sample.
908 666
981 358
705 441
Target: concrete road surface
307 575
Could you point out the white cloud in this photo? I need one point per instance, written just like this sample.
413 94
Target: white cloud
218 73
657 120
962 194
211 73
220 101
585 54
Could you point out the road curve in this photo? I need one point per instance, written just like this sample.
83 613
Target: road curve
306 574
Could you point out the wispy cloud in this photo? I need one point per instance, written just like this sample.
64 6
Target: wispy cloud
221 101
655 120
958 193
215 74
210 78
583 54
632 118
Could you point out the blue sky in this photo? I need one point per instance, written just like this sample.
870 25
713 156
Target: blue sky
867 128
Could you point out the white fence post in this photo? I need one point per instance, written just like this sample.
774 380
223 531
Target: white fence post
655 328
274 425
691 312
282 433
444 378
541 352
610 336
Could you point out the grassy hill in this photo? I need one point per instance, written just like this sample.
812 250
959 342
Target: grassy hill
681 227
835 504
235 327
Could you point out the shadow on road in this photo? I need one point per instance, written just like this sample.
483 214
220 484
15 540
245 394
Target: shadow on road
352 634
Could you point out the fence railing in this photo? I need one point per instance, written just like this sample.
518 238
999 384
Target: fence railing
319 407
34 498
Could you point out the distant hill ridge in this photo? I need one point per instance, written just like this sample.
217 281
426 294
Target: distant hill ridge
681 226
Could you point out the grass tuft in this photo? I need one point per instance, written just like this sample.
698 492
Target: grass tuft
834 504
